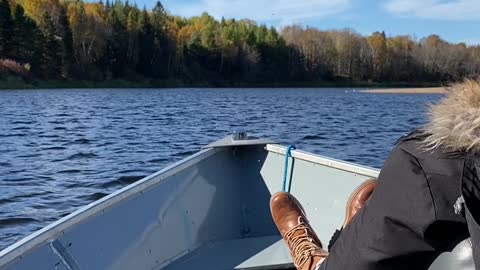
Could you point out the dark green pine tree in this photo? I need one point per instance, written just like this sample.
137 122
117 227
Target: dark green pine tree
116 56
159 17
159 11
25 37
159 59
6 30
144 65
67 43
107 7
51 57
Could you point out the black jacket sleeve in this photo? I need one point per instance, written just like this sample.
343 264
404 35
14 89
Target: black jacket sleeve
390 230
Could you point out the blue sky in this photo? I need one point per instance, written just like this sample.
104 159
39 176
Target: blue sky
453 20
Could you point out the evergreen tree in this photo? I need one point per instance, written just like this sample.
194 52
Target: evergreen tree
51 56
25 36
107 7
133 32
66 53
28 41
6 30
159 58
116 56
146 44
159 15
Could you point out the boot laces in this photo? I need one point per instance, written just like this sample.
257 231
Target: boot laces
303 246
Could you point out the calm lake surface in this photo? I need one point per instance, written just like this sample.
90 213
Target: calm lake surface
62 149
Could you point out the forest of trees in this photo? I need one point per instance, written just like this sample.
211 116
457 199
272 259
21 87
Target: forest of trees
73 40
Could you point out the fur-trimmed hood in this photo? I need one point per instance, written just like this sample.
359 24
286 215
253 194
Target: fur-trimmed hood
455 121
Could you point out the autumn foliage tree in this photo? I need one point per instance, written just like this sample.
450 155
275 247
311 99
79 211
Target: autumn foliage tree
65 39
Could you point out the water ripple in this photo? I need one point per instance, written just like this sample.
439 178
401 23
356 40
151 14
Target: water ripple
82 156
122 181
14 221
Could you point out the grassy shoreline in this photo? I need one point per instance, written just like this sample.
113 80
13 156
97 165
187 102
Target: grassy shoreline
19 83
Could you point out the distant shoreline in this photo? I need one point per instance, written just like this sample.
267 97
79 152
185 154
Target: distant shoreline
18 83
429 90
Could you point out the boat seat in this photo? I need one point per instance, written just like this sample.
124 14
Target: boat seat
259 253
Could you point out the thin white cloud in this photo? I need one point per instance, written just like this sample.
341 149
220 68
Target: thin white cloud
454 10
279 11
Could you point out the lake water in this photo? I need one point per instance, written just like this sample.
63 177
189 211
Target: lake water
62 149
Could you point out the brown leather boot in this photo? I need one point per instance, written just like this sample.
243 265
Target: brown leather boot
357 199
304 245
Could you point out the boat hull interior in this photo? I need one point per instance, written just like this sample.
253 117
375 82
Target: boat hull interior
209 211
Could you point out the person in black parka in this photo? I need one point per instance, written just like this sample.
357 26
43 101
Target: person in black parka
415 211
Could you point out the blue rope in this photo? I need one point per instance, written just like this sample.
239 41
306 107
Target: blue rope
285 172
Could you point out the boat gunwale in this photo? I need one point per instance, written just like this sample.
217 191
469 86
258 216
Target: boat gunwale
325 161
56 228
